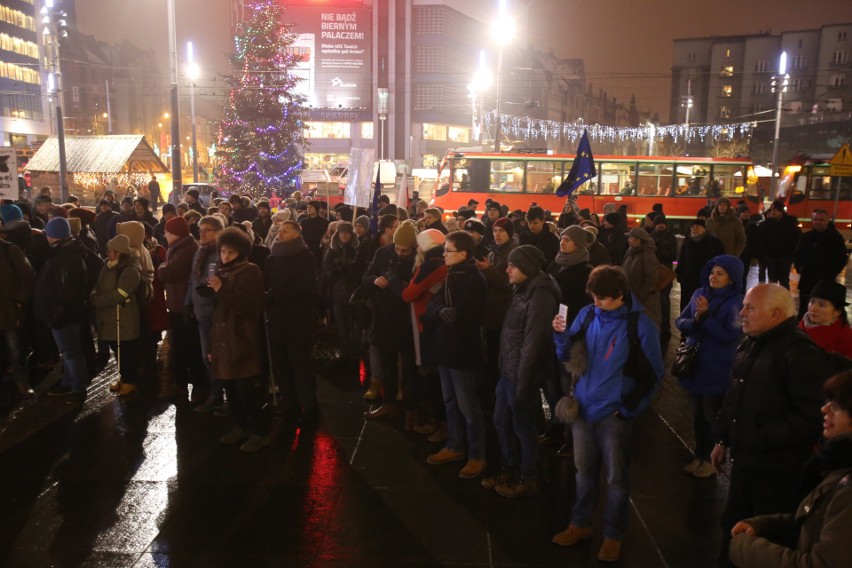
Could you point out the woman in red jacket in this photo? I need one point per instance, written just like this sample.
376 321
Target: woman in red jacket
825 321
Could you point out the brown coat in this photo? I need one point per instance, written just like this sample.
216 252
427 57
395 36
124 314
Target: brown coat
643 275
237 335
174 272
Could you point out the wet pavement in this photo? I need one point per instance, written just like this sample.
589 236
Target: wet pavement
140 482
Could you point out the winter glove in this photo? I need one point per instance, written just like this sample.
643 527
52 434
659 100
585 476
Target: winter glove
447 315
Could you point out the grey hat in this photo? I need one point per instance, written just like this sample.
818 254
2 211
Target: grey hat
578 235
640 234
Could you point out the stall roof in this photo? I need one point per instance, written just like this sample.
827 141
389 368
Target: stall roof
98 154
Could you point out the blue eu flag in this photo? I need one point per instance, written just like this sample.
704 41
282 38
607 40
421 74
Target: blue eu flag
374 205
583 169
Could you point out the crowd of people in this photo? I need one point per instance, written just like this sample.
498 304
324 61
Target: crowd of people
454 318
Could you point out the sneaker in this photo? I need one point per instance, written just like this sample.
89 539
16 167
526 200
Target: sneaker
610 550
571 536
60 390
691 466
235 436
440 435
113 387
126 389
704 471
472 469
521 488
445 455
254 444
501 476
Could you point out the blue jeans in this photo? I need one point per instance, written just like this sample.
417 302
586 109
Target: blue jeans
514 420
594 442
464 413
75 374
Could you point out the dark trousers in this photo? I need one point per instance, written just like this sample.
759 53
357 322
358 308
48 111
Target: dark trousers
411 385
753 493
293 371
245 403
778 269
666 312
490 375
129 360
704 411
185 363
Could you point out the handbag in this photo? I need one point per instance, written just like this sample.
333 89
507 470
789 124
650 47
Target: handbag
667 276
684 359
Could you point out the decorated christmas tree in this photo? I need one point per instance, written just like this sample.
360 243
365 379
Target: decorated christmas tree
261 137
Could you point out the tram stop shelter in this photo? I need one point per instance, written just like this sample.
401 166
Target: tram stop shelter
95 163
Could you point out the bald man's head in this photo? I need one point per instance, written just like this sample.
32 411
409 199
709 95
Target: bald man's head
766 306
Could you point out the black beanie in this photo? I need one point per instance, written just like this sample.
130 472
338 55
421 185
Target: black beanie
528 259
613 219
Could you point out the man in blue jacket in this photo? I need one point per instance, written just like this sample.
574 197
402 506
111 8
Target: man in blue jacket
609 400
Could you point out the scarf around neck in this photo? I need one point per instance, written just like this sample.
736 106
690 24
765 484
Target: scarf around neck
579 256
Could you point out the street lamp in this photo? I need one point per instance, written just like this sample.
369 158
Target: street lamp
502 31
383 116
779 85
479 83
177 181
54 21
192 73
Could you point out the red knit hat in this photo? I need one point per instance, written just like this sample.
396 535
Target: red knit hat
505 224
177 226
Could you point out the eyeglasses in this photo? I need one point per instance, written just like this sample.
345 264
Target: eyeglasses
448 251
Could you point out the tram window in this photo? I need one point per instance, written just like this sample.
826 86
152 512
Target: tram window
651 179
543 177
616 178
480 176
507 177
728 181
690 180
820 184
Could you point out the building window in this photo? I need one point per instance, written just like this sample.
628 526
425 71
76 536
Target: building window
333 130
456 134
728 53
838 80
841 36
727 71
727 90
18 73
757 108
431 160
434 132
17 18
724 111
759 88
367 130
840 57
801 84
760 66
691 56
18 45
800 62
834 104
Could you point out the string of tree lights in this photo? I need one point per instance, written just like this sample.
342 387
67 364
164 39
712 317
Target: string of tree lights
262 134
531 128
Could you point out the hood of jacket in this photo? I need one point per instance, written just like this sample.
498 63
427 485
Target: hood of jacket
17 231
732 265
541 280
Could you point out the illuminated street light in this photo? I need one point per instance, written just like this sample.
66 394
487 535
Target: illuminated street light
779 84
479 83
502 32
192 73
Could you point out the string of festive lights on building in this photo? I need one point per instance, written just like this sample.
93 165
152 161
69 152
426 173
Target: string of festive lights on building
531 128
93 181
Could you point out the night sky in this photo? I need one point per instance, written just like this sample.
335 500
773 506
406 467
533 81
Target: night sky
626 44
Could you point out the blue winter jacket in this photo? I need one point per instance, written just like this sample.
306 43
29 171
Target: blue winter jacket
718 331
602 388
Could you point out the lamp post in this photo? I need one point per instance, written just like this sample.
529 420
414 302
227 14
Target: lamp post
383 116
177 182
54 28
502 31
779 84
479 83
192 73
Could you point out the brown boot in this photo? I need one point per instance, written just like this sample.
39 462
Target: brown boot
572 535
375 390
610 550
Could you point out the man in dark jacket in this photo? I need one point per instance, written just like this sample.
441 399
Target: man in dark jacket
169 213
666 252
457 309
476 229
261 225
820 255
540 236
612 236
185 364
526 362
432 220
143 214
771 417
103 221
16 288
290 275
191 198
154 192
60 301
780 235
697 250
313 229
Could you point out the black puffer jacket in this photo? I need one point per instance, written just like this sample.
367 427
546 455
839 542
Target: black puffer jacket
458 343
780 236
526 342
771 416
290 280
572 283
61 289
